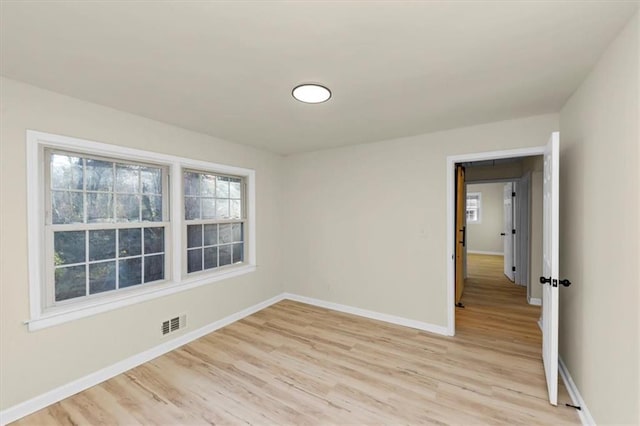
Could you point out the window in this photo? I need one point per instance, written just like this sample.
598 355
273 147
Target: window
109 227
474 206
106 221
213 213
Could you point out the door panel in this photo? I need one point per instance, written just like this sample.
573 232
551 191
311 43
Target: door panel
550 259
461 220
507 221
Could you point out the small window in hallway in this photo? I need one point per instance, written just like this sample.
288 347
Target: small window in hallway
474 205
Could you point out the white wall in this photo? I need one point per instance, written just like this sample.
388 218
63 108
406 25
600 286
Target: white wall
368 225
35 362
485 236
599 139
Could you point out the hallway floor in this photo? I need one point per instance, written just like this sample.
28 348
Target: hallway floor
497 316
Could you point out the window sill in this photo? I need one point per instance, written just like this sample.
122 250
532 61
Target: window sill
49 319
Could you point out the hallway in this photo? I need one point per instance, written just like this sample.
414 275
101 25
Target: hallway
496 316
497 307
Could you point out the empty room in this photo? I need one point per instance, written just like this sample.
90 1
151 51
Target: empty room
319 212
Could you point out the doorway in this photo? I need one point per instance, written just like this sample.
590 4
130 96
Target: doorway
496 225
550 253
493 227
499 212
494 232
456 244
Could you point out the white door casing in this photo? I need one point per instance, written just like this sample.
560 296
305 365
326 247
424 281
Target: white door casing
507 239
452 233
550 259
522 240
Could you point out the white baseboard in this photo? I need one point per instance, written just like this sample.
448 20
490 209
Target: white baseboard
424 326
25 408
494 253
535 301
51 397
576 398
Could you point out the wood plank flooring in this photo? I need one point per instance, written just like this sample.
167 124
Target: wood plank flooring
297 364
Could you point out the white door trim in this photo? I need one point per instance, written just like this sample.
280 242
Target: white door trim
451 208
509 246
523 231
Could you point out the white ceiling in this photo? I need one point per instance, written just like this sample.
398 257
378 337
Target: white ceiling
395 68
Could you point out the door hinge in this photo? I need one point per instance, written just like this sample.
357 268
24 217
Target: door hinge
513 231
513 194
513 268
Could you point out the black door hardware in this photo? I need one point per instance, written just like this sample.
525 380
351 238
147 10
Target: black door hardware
464 236
555 283
503 234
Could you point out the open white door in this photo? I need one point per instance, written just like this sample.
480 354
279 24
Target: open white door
550 258
507 230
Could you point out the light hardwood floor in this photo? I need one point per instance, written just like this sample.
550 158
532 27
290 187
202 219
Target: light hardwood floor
297 364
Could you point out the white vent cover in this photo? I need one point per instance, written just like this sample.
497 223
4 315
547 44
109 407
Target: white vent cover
173 324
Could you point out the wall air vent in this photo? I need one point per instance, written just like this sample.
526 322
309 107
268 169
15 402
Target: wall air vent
173 324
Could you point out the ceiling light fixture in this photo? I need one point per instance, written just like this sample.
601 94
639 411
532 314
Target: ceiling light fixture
311 93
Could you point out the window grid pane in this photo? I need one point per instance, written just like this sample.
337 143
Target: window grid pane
89 190
111 259
212 245
210 196
109 203
85 190
473 207
216 203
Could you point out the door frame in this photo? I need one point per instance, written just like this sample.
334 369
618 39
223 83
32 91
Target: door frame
451 210
523 227
509 257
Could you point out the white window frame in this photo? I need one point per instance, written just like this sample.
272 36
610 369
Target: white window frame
242 220
42 316
49 302
477 195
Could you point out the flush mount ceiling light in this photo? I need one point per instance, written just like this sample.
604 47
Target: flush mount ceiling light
311 93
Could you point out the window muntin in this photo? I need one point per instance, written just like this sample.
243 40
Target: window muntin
214 218
211 196
44 312
105 223
474 204
90 190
